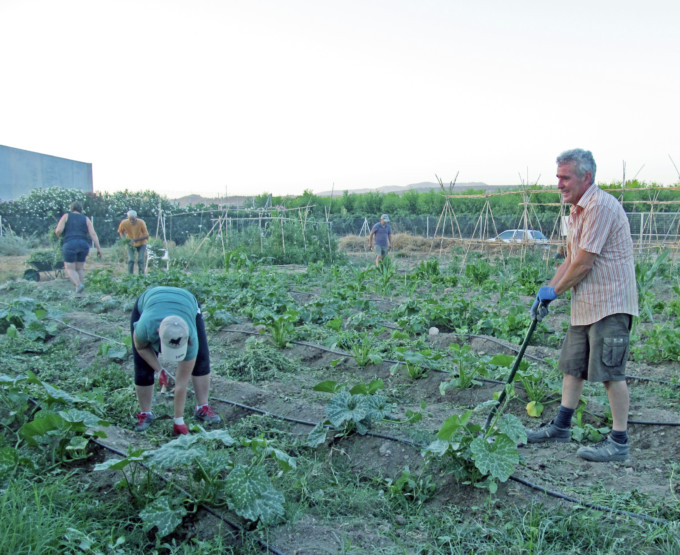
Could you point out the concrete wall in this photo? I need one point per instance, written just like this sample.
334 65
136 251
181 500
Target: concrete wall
23 170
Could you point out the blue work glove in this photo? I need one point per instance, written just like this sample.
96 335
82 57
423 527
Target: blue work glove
539 309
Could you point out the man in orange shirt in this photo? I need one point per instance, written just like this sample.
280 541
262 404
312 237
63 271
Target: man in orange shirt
600 271
135 230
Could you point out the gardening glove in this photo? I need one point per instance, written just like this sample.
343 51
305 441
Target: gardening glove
545 296
163 380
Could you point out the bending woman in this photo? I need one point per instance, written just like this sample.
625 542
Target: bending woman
75 229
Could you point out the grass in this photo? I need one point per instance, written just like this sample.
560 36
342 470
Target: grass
354 508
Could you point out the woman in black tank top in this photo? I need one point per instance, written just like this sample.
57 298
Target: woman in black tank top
75 229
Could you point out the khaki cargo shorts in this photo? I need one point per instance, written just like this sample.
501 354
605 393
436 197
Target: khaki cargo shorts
597 352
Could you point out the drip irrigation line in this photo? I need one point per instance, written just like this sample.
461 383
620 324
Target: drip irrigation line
522 481
558 495
167 480
206 508
509 346
85 332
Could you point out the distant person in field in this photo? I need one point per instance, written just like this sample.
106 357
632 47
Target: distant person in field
135 230
74 228
167 327
382 232
599 269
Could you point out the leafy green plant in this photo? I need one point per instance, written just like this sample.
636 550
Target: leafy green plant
483 457
26 316
64 435
206 465
362 351
581 431
46 260
417 363
468 368
281 327
661 343
386 273
478 272
350 411
410 489
534 382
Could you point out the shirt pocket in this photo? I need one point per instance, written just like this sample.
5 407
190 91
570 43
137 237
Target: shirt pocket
614 350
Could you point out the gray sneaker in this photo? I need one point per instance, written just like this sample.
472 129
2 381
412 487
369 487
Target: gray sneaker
549 432
206 414
144 420
605 451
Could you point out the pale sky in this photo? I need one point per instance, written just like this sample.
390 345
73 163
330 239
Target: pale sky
233 97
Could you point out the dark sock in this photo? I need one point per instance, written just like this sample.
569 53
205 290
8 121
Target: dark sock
619 437
563 418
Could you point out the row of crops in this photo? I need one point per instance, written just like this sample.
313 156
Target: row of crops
317 370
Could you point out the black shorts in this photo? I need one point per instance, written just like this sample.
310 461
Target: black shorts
144 374
597 352
75 250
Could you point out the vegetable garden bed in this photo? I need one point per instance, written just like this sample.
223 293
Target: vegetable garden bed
334 391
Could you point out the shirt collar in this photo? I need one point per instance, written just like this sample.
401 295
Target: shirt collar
585 199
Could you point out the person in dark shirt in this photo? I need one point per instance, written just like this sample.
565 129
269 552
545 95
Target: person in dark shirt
75 228
382 232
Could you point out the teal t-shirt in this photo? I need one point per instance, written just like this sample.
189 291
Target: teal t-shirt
157 303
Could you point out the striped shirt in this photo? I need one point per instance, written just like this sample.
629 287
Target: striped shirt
598 225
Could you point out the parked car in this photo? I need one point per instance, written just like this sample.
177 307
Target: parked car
521 236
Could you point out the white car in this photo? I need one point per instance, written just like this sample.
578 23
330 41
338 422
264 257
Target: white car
521 236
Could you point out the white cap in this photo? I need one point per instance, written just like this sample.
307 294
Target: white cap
132 214
385 217
174 336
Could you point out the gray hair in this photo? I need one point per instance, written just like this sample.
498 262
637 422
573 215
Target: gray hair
583 162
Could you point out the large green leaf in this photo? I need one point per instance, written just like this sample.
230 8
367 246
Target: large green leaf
251 495
345 407
438 447
512 427
54 394
496 458
87 418
283 459
221 436
317 436
179 452
452 424
162 515
44 423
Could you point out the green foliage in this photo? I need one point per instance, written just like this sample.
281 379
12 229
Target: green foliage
661 343
409 489
281 327
350 411
46 260
478 272
468 367
207 461
484 457
257 362
28 318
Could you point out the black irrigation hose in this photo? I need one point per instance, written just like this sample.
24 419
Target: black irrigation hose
558 495
507 345
411 443
206 508
233 525
659 521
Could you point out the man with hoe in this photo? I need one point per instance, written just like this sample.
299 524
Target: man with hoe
135 230
383 238
600 271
